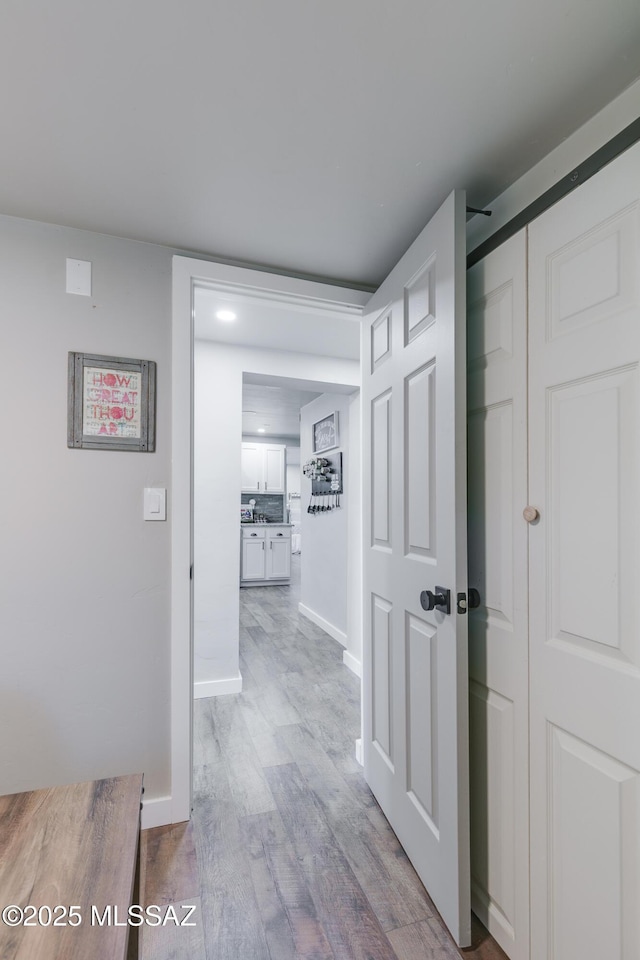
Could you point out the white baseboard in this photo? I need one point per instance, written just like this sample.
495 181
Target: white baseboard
359 753
319 621
156 812
217 688
354 665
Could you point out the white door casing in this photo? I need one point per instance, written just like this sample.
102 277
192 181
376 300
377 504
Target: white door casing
498 568
415 669
312 297
584 393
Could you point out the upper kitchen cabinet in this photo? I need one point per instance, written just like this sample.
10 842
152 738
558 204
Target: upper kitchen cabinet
263 468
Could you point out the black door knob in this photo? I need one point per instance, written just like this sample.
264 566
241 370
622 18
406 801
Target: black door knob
440 599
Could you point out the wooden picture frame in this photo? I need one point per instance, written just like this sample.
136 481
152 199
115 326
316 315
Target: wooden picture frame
326 433
111 403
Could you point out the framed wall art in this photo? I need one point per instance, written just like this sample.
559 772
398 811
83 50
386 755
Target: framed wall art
326 434
111 403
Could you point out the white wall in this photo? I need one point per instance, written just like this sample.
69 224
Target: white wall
84 581
218 428
353 479
293 468
329 548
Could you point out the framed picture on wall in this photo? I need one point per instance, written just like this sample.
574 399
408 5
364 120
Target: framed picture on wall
111 403
326 434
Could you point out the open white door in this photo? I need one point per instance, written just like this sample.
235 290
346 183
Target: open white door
415 665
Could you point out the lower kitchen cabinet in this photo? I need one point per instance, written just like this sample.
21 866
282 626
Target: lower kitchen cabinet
278 555
253 559
265 555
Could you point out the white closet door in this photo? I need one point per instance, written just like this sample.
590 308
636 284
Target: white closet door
498 628
584 328
415 670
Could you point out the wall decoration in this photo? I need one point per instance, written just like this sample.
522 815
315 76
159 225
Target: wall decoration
325 474
111 403
326 434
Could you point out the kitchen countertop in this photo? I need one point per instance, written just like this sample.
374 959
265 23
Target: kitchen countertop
264 523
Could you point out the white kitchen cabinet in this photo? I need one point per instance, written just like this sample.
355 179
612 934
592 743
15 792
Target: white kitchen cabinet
278 554
263 467
251 465
265 554
253 558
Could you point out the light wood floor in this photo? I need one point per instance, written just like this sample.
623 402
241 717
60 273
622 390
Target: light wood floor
288 854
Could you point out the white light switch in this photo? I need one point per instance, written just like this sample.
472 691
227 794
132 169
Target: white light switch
155 503
79 277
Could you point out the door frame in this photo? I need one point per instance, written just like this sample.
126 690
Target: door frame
258 285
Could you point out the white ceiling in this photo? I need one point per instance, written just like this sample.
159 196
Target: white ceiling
276 326
276 408
317 137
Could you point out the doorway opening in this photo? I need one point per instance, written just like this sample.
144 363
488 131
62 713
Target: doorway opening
254 549
251 356
300 524
311 315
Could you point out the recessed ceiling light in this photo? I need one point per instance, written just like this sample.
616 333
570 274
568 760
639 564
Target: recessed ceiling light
261 430
226 315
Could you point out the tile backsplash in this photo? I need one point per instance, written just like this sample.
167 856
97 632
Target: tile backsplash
272 506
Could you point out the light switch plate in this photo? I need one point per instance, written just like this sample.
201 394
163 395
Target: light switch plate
155 503
79 277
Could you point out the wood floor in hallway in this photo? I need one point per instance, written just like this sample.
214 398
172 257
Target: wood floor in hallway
288 854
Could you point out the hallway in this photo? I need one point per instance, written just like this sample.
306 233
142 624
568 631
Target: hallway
295 858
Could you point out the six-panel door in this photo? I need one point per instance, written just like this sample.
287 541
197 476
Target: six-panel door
415 673
584 435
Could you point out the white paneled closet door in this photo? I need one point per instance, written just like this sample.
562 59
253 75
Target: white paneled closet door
554 647
584 429
498 628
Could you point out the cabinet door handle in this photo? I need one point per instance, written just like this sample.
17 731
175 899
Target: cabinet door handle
258 483
265 485
254 534
281 534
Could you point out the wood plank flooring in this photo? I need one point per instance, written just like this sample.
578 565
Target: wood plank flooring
287 855
72 846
